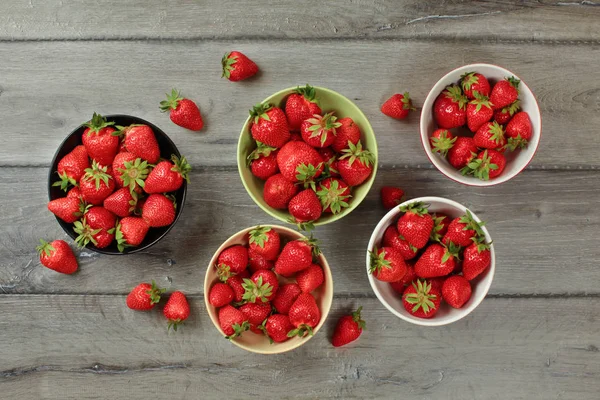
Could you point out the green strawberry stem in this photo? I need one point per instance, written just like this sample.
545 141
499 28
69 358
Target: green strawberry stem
227 64
422 298
98 174
97 123
238 330
357 318
306 226
45 247
260 111
406 102
378 261
172 101
86 234
355 151
259 236
301 331
416 207
182 167
134 173
262 150
257 291
155 293
333 197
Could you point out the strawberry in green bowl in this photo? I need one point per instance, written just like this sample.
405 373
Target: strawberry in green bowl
307 156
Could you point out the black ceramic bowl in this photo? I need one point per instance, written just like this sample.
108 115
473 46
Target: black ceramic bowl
167 148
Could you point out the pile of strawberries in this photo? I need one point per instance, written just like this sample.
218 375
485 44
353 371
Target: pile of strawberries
257 291
494 124
309 159
117 187
428 258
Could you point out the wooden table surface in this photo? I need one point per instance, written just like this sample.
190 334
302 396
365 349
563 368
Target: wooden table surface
536 335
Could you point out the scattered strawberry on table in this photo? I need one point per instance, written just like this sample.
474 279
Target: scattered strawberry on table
398 106
176 310
348 329
310 159
117 187
279 300
430 259
478 122
58 256
183 112
237 67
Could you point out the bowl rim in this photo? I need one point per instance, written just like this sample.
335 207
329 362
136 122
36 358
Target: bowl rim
425 138
384 223
333 217
129 250
324 313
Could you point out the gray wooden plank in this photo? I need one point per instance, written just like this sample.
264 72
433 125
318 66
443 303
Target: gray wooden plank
88 347
543 224
48 89
406 19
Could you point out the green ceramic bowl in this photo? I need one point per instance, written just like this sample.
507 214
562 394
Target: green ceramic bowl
328 101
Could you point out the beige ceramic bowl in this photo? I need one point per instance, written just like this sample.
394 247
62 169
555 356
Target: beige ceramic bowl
259 343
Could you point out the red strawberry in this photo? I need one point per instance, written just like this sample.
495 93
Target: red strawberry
333 194
479 111
440 227
437 260
72 167
295 137
234 257
391 196
118 167
257 262
519 131
237 67
462 230
74 193
269 125
99 141
477 258
320 131
285 297
96 184
391 238
472 82
58 256
437 283
456 291
300 106
97 226
68 209
463 151
262 286
277 327
265 241
398 106
421 299
442 141
387 264
299 162
505 92
331 163
305 208
348 131
176 310
278 191
488 165
168 176
415 225
450 108
296 256
263 161
304 315
233 322
356 164
159 210
140 141
121 203
220 294
348 329
130 232
407 279
183 112
236 282
256 314
310 278
490 136
144 296
502 116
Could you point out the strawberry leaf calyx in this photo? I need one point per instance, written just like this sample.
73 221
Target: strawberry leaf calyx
155 293
468 79
514 82
480 101
355 151
227 63
356 317
223 272
308 92
422 298
451 250
262 150
301 331
97 123
45 248
85 233
407 102
480 167
173 324
256 291
321 126
514 143
313 243
497 133
64 181
443 143
172 101
437 227
306 226
260 111
98 174
121 241
181 166
417 207
259 236
238 329
378 261
134 174
454 92
306 174
512 108
333 197
471 224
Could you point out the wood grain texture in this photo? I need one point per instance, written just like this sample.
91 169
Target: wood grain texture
88 347
406 19
544 232
48 89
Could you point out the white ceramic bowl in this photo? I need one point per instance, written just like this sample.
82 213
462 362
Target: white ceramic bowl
393 300
259 343
515 161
